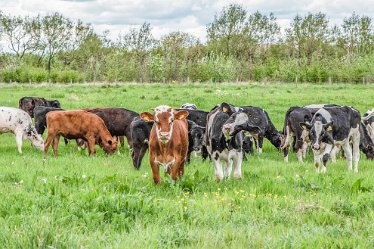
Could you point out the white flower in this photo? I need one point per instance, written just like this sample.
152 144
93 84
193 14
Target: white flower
44 180
84 176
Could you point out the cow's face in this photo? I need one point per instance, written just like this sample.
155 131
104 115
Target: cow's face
237 122
109 144
248 144
318 133
28 106
35 138
163 120
197 134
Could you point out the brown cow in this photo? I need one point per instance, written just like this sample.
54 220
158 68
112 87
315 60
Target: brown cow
78 124
168 141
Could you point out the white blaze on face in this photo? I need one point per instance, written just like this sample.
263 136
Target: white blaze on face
158 111
318 126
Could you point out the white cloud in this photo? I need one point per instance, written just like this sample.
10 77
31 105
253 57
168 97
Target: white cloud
171 15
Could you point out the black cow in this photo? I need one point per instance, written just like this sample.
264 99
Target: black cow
334 126
246 117
195 140
29 103
293 131
139 130
39 116
247 145
224 149
117 120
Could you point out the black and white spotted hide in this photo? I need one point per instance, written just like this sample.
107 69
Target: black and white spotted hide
334 127
224 151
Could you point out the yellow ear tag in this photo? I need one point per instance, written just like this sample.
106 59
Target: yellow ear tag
329 128
225 109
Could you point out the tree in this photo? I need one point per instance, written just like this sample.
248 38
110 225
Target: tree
175 48
21 34
140 42
308 35
357 34
227 28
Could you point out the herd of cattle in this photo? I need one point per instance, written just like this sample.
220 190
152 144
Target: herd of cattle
224 134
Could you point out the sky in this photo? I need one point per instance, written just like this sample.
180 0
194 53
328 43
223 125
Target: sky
191 16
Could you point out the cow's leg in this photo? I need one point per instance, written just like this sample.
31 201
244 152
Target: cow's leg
317 160
217 169
356 150
155 170
298 149
334 152
325 156
260 143
348 153
91 146
228 168
304 149
238 165
47 143
204 153
188 155
286 151
122 141
19 137
55 145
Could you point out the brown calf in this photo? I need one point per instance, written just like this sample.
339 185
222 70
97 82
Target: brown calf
168 141
78 124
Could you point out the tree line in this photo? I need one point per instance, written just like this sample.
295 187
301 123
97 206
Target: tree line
240 46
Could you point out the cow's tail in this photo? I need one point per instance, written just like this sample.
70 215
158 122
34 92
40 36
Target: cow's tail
286 141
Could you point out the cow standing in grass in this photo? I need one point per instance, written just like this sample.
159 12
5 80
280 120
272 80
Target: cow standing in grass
19 123
334 126
75 125
168 141
29 103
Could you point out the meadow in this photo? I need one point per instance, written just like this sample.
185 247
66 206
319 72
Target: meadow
76 201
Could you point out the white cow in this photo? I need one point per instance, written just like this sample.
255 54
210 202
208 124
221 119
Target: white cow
19 123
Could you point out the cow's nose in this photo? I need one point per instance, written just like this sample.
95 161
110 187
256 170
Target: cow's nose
164 134
316 146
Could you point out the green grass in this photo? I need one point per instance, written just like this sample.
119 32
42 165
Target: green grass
76 201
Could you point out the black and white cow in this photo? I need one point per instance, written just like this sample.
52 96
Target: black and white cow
246 117
368 120
224 149
366 143
195 140
139 130
19 123
293 131
334 126
189 106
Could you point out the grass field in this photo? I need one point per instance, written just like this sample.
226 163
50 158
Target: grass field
76 201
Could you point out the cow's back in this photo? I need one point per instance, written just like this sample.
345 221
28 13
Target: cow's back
13 118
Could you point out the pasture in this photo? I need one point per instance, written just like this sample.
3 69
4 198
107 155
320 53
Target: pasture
76 201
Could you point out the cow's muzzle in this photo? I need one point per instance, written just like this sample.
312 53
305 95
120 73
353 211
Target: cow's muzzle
315 147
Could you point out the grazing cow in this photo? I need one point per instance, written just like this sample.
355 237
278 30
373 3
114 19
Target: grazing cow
75 125
366 143
139 130
168 141
189 106
334 126
117 120
368 120
246 117
29 103
292 129
225 148
40 113
195 139
247 145
19 123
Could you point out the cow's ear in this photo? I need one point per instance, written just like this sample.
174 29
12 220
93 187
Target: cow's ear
180 115
146 116
328 126
226 108
305 125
